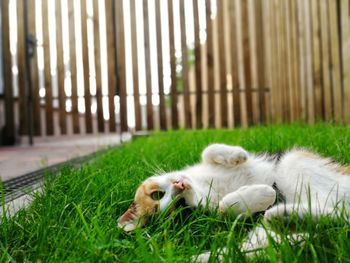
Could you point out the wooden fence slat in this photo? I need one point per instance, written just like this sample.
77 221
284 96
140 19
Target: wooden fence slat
302 58
282 63
47 71
275 92
267 55
288 53
135 69
21 58
308 57
234 66
60 70
335 61
73 67
345 34
148 66
326 80
281 59
185 77
162 110
247 59
9 134
198 58
210 66
317 66
34 71
222 63
285 58
97 53
253 59
86 67
260 47
294 61
121 75
173 89
110 63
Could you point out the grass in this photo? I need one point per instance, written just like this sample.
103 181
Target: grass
74 219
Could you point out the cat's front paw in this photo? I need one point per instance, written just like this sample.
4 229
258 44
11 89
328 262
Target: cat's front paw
249 199
225 155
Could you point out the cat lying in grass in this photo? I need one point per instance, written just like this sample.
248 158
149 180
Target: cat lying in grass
231 179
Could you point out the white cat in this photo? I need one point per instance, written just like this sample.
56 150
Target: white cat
230 178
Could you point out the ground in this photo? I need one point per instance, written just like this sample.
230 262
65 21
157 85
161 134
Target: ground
74 218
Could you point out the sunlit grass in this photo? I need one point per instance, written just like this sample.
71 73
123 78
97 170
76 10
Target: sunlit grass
74 219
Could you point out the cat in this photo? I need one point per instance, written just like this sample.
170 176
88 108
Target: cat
229 178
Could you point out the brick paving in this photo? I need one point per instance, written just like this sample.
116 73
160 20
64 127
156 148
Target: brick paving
19 160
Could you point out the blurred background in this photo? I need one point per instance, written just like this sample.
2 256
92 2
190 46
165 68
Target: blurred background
113 66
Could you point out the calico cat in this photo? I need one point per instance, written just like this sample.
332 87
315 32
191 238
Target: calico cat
230 179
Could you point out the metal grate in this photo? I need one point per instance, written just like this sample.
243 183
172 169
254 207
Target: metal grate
24 184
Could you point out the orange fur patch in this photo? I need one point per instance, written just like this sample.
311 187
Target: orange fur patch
307 154
345 169
144 203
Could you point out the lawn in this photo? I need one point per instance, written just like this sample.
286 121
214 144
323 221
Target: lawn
74 219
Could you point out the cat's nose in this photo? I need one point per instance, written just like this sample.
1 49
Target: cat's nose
179 185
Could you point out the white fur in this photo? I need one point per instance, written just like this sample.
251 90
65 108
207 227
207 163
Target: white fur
232 179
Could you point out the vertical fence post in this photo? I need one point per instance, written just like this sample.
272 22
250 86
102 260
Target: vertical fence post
120 69
73 67
345 35
21 59
148 66
325 49
86 66
234 65
97 53
135 63
294 78
309 59
260 51
9 131
60 70
47 71
247 59
184 59
28 83
173 89
335 61
222 63
198 58
162 111
34 74
210 66
317 72
111 63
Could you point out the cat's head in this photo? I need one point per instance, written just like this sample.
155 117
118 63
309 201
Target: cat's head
155 194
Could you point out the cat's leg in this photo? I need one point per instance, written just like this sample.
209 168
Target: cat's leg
221 154
300 210
258 239
261 236
249 199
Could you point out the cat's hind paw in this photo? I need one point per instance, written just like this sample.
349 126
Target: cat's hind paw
221 154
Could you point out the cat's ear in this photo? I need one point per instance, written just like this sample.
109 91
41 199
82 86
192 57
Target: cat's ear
130 219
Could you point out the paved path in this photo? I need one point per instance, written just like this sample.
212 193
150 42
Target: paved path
20 160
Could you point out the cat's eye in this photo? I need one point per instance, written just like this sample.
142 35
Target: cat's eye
157 195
